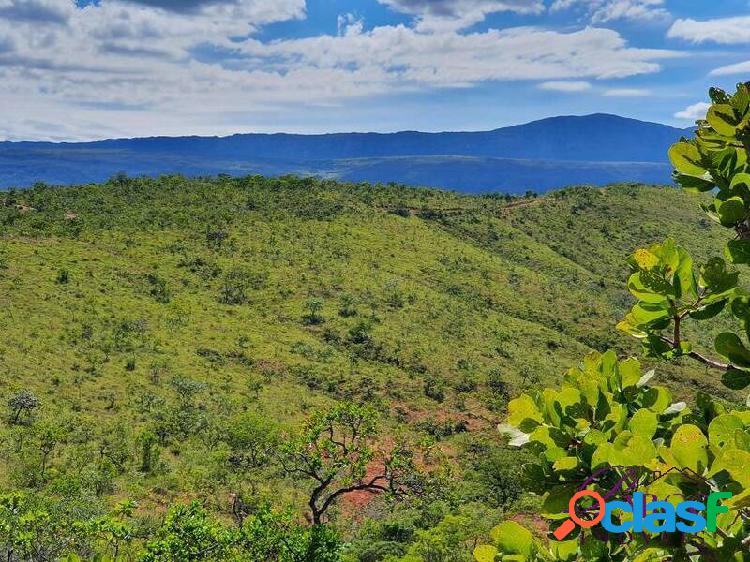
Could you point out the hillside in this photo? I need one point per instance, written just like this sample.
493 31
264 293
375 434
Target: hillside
433 306
539 155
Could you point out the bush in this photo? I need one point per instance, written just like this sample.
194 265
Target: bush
22 405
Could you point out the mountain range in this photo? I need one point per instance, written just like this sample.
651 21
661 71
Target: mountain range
593 149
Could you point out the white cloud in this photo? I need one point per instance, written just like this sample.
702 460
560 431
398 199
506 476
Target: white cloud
725 31
126 68
436 15
45 11
693 112
739 68
627 92
568 86
349 23
602 11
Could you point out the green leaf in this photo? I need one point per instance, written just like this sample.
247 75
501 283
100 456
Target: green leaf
735 463
714 276
485 553
512 538
644 423
735 379
741 100
566 463
731 211
657 399
709 311
630 372
686 159
740 183
694 184
689 448
738 251
523 409
555 504
650 287
652 555
565 550
721 429
723 120
729 345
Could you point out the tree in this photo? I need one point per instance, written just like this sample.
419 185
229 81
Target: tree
609 429
188 534
336 453
22 404
669 291
187 389
148 445
314 307
252 438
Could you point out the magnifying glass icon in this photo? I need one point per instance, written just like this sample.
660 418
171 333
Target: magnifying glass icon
570 524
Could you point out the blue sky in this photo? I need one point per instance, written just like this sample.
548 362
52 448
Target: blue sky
75 70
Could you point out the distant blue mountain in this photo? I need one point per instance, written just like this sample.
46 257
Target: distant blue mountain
545 154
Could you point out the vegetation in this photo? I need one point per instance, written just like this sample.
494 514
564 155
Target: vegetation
607 415
299 370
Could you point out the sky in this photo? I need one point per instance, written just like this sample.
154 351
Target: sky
92 69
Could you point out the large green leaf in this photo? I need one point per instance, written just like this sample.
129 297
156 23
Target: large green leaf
523 410
686 159
731 211
716 278
485 553
735 463
555 505
740 184
512 538
695 184
738 251
736 379
722 428
730 346
657 399
644 423
689 448
723 120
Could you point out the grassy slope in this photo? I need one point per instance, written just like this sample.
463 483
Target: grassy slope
453 287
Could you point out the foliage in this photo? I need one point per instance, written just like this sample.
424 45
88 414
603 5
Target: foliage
178 361
669 290
607 424
22 404
335 452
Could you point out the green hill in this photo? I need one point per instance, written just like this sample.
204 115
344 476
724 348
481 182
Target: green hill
284 295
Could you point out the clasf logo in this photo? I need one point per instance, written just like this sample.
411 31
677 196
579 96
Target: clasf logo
656 516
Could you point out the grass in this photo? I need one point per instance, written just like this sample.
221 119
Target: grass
435 308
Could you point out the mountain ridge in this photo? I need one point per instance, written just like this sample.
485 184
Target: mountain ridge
596 138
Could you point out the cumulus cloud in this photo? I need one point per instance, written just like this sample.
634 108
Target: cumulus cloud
459 14
567 86
125 68
725 31
601 11
36 11
693 112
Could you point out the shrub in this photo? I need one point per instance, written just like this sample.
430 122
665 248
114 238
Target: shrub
22 405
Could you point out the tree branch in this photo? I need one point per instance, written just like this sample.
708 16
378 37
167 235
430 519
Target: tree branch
701 358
